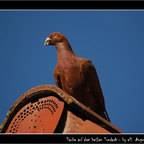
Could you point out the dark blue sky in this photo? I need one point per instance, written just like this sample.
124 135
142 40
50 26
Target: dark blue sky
113 40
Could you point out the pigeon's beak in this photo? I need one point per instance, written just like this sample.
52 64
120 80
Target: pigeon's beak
47 41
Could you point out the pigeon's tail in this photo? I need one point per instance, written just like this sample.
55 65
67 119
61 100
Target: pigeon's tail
106 115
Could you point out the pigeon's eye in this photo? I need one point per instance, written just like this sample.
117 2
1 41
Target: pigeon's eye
54 36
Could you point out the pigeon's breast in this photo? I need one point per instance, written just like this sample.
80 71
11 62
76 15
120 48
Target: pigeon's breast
73 77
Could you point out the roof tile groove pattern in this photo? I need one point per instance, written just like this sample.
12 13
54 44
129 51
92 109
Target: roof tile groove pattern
38 117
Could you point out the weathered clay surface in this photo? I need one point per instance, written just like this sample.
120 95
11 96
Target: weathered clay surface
75 124
79 118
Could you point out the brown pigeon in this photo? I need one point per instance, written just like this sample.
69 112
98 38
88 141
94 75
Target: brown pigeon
77 76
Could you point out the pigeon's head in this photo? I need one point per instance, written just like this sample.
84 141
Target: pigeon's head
54 38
